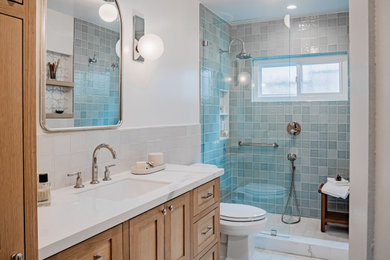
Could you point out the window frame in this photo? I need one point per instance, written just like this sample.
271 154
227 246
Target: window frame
299 61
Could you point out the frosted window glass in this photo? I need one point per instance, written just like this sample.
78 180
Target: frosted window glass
321 78
279 81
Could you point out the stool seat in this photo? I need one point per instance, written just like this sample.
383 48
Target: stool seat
330 216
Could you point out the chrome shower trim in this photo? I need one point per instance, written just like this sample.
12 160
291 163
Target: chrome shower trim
243 54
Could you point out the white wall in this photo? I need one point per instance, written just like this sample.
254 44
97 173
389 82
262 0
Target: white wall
360 130
160 99
382 176
166 91
59 32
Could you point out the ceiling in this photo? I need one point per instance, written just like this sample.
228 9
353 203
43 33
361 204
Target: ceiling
87 10
236 11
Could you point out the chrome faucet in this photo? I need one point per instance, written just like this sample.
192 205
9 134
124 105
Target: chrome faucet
95 172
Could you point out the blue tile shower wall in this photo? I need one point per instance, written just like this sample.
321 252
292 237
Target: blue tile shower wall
96 91
322 147
213 68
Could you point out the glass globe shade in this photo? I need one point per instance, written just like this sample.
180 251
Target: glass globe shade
118 48
108 13
151 47
244 78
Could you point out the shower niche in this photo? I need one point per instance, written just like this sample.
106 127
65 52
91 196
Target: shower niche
223 114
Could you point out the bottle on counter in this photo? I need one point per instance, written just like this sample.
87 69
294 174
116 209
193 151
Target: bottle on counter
43 194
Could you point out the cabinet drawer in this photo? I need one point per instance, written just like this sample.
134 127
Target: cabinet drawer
13 8
205 196
16 1
212 254
107 246
206 231
11 3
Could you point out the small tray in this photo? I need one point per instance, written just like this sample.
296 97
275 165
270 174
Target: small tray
148 171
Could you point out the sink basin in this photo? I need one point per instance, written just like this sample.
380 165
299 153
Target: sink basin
123 190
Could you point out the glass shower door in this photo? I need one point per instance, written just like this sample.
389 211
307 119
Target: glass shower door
259 142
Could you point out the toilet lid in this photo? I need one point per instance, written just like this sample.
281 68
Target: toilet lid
240 212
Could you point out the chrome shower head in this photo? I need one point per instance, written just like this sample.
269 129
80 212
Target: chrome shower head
243 55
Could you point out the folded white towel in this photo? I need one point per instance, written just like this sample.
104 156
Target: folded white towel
343 181
338 191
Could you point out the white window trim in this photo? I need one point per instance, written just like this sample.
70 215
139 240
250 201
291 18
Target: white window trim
300 60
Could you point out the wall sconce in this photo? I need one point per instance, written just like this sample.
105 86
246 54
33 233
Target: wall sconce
146 46
108 12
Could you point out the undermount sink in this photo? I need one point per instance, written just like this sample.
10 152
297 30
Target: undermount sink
122 190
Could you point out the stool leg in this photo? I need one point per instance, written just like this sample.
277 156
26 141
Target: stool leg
324 208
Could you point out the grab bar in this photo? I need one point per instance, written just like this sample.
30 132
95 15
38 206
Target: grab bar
275 145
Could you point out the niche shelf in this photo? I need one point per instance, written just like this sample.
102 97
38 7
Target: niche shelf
55 115
57 83
223 114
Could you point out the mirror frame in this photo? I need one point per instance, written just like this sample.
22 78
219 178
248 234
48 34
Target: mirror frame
42 79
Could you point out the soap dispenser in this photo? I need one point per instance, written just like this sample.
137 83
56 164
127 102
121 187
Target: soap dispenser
43 194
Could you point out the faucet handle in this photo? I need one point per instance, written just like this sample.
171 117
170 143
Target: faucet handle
79 181
107 172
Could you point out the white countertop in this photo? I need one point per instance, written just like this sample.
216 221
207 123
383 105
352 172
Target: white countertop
71 219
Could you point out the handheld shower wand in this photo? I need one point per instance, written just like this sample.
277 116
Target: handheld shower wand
292 195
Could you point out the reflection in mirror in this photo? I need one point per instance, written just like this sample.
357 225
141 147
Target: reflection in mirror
83 65
139 31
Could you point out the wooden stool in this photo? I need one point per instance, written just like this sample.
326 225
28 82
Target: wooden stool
330 216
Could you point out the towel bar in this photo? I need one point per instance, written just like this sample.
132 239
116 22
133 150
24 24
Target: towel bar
275 145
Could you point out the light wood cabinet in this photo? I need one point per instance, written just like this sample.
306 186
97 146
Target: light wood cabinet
170 231
147 235
205 196
177 228
105 246
212 254
163 232
17 127
205 231
11 128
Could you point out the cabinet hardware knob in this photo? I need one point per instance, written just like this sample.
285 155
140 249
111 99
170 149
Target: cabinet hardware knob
209 194
97 257
209 229
18 256
170 208
164 212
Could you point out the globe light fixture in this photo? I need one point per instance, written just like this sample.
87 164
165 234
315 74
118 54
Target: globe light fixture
150 47
108 13
244 78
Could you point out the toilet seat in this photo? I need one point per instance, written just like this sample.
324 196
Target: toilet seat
241 220
241 213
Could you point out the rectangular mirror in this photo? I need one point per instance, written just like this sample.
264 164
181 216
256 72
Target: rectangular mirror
81 66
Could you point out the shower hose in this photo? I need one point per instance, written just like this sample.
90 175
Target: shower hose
291 195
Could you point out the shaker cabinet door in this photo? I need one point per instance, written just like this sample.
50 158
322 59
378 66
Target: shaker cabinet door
11 137
177 228
147 235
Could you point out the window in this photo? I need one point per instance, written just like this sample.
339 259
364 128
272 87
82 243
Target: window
309 77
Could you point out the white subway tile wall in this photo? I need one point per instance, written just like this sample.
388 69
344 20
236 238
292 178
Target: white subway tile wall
63 153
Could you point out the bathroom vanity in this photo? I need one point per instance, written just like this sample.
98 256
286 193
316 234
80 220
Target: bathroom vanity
172 214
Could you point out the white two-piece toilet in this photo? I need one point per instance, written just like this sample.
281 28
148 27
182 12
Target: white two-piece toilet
240 223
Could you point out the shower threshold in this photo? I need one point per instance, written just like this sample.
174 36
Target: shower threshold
305 239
